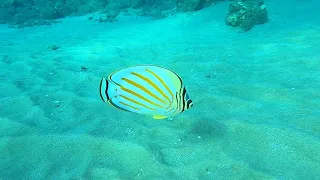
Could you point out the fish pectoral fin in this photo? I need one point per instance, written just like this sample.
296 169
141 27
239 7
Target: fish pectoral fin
158 117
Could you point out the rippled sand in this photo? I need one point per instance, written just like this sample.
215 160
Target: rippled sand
256 111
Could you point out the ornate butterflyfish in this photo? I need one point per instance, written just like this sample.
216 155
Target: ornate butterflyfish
146 89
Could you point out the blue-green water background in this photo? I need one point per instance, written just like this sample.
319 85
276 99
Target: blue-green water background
256 111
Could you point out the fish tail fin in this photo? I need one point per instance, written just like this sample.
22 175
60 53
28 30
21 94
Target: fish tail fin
104 87
108 90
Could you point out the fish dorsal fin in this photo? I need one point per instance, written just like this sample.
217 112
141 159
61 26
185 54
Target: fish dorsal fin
158 117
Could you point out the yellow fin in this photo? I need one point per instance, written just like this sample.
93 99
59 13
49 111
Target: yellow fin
159 117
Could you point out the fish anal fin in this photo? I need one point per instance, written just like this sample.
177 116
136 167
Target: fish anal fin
158 117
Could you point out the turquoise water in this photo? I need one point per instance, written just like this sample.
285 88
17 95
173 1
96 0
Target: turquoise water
256 111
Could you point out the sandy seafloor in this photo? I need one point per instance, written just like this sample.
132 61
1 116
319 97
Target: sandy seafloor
256 96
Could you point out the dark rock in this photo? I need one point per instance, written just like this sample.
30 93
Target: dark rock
246 13
83 68
53 47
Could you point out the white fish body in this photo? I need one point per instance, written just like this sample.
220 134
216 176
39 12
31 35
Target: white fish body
146 89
